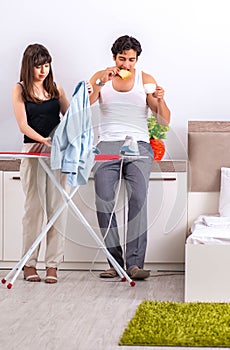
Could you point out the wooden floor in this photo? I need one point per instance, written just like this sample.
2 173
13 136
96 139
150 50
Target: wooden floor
80 312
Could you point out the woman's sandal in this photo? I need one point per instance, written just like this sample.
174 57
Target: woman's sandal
51 275
30 274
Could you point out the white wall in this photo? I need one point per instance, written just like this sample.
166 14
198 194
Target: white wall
185 47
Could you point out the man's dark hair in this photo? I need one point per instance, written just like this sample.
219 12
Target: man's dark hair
124 43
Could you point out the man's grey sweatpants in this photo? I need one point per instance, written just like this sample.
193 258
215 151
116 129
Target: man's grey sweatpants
136 175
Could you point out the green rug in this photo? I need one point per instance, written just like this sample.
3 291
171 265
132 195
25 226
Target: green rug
179 324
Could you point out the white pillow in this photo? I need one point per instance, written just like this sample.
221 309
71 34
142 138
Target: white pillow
224 200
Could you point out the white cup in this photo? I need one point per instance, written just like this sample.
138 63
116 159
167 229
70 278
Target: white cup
149 88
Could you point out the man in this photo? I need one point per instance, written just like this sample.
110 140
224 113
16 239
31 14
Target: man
124 108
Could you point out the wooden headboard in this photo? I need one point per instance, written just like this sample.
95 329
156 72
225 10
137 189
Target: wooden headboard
208 151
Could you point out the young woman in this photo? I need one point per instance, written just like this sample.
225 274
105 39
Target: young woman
38 104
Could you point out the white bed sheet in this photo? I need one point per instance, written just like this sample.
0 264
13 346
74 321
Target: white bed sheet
201 233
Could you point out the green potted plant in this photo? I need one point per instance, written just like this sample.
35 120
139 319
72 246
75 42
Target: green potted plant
157 132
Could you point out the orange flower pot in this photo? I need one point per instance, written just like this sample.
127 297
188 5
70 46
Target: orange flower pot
158 147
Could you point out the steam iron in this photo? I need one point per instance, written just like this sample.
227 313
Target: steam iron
130 147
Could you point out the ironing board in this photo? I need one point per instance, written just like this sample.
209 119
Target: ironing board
67 200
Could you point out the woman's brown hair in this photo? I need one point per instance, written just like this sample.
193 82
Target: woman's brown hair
36 55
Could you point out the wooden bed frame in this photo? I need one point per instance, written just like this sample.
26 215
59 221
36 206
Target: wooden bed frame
207 277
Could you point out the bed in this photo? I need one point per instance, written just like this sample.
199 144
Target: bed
207 248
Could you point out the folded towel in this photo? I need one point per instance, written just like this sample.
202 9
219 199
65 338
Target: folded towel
210 229
212 221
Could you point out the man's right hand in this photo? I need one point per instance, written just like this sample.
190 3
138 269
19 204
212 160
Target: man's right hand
109 74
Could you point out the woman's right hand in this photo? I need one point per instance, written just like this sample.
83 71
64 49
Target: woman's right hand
47 141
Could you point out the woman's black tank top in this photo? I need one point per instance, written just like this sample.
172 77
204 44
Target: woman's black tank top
43 117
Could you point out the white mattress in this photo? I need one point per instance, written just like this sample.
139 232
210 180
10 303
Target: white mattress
208 229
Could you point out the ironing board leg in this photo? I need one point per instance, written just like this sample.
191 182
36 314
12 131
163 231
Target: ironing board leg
121 272
101 245
19 266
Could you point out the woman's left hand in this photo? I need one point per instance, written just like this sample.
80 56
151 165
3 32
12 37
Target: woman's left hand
89 87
